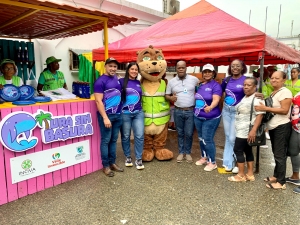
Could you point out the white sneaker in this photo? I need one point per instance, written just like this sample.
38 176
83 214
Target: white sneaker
235 170
267 135
264 146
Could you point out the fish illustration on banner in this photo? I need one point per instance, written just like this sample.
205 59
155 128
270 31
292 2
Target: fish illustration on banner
132 99
112 100
200 103
230 98
16 131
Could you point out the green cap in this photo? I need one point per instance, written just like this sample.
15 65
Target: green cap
52 59
4 61
254 71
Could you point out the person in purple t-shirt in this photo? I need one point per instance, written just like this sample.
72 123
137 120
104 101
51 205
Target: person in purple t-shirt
233 88
107 91
133 115
207 116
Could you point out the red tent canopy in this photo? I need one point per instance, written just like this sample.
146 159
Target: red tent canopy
200 34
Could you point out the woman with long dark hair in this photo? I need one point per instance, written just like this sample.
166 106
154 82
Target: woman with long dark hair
232 86
133 115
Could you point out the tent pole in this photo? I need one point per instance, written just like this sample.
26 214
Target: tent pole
261 75
94 71
106 39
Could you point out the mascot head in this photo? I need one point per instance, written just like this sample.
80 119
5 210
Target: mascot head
152 63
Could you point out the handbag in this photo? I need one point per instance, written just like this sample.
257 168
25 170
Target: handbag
260 138
269 103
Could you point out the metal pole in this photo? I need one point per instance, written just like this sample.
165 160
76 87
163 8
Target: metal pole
261 75
105 39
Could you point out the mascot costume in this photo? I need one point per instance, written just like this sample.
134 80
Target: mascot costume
153 65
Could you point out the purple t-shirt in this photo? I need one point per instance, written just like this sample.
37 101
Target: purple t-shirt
204 96
110 87
234 91
133 96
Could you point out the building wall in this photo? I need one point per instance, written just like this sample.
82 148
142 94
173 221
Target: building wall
60 47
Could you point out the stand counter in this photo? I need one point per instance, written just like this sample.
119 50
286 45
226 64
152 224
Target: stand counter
9 190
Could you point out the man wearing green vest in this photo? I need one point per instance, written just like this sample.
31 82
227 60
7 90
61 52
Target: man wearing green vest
9 70
51 78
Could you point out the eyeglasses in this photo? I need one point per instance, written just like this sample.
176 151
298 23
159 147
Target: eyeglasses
8 68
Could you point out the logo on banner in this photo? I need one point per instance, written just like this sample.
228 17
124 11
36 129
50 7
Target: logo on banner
16 128
56 160
80 153
27 168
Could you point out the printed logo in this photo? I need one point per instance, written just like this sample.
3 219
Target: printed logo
56 160
27 168
207 89
16 131
55 156
81 154
200 104
132 98
26 164
16 128
239 86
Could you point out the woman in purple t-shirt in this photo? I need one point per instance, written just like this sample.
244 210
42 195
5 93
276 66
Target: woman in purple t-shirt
233 89
132 115
207 116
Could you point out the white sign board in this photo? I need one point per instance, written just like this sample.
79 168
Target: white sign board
32 165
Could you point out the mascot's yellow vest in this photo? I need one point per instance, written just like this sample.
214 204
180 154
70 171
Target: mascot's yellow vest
15 80
51 83
157 109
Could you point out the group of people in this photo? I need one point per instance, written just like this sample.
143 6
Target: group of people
51 78
198 106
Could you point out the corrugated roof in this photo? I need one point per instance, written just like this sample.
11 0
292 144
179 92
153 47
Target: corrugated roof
47 20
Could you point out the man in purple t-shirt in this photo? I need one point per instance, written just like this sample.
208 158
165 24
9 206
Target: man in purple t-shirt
107 91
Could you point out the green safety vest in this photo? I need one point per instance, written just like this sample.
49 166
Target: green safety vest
51 83
156 107
267 88
294 89
15 80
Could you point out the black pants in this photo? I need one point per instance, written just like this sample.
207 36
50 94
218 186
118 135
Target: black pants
279 140
240 147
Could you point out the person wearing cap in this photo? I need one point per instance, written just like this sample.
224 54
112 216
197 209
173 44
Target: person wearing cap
51 78
207 116
9 69
183 89
107 92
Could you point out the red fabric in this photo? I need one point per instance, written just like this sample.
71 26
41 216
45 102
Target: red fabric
202 34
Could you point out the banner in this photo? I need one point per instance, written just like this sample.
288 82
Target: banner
16 128
32 165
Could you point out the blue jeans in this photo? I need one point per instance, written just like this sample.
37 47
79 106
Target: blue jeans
184 122
109 137
206 132
228 114
136 122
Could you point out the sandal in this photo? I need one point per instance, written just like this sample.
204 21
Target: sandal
273 180
250 178
232 178
283 187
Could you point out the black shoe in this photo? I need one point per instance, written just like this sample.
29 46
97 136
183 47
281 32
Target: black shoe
292 181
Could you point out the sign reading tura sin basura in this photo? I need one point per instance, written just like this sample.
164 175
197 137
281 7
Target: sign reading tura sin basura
17 128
